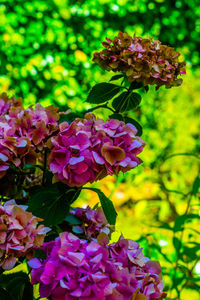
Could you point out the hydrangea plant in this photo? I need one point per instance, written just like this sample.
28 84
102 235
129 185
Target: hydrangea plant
46 159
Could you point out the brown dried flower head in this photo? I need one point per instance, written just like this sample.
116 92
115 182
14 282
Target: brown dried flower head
142 60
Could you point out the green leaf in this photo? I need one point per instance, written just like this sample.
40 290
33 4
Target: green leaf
133 101
70 117
72 194
182 154
163 225
96 206
189 254
176 283
103 92
38 253
51 204
197 279
180 221
28 167
125 101
116 77
107 206
28 291
4 295
177 243
119 102
135 123
17 285
116 116
136 85
159 249
196 186
73 220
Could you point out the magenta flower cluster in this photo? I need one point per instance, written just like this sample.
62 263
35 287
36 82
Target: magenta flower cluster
19 233
23 132
93 223
79 269
89 149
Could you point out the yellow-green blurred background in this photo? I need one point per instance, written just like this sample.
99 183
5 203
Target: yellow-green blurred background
45 56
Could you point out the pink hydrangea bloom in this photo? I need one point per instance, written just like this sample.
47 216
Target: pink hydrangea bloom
142 60
19 233
4 104
93 223
89 149
23 132
78 269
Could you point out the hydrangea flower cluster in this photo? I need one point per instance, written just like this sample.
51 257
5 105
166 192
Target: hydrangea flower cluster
79 269
93 223
23 132
89 149
142 60
19 233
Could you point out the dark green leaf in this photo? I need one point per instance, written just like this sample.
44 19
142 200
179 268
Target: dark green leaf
136 85
103 92
119 102
125 101
50 204
197 279
72 194
116 116
176 243
159 249
194 230
146 88
116 77
73 220
28 291
196 186
4 295
176 283
28 167
133 101
17 286
171 191
135 123
38 253
189 254
180 221
182 154
96 206
107 206
52 235
70 117
48 178
163 225
194 243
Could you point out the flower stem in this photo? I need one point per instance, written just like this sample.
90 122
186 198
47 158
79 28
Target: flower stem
45 166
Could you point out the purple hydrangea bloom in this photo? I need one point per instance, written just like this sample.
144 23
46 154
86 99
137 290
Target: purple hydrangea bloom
94 224
79 269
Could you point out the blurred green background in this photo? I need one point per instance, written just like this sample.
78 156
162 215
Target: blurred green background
45 56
